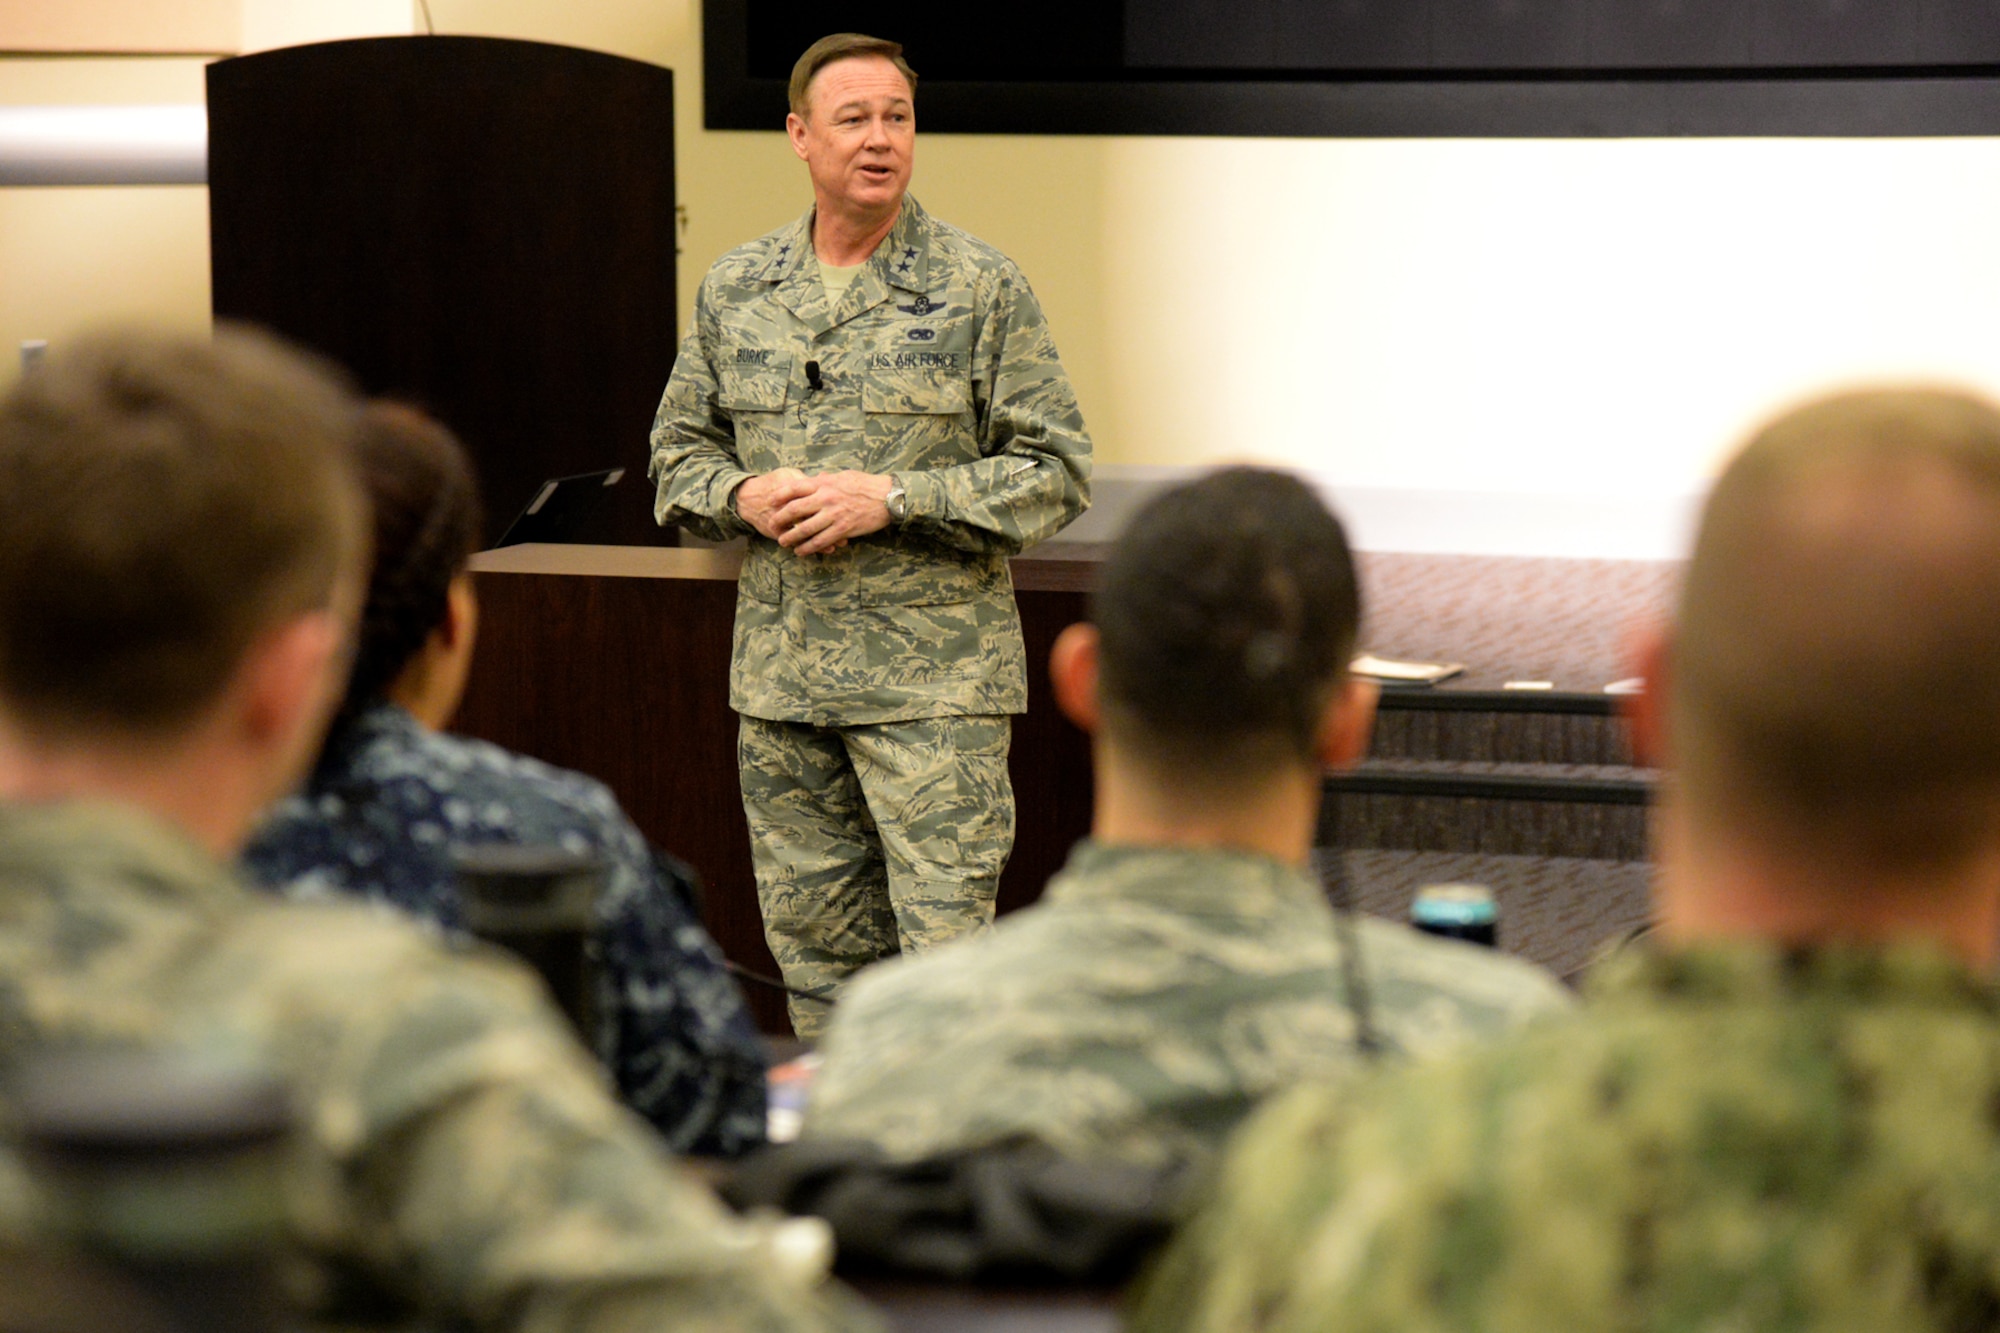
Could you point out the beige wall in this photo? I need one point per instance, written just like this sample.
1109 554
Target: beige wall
74 258
204 26
273 23
71 258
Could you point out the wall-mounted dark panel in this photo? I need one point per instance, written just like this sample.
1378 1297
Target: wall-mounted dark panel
1177 36
1834 33
1194 34
1671 34
1353 34
1509 34
1403 68
484 226
1052 38
1959 32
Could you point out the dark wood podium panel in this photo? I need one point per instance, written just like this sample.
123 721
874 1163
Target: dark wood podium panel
483 226
615 661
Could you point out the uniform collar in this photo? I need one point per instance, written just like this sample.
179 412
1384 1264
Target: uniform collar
790 252
1194 882
111 848
1761 973
905 254
901 261
356 732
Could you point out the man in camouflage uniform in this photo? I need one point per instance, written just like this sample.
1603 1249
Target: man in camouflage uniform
873 398
1184 964
178 581
1783 1115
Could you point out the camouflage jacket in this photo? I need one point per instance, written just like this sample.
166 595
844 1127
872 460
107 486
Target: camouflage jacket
1139 1011
1729 1138
380 818
937 367
460 1157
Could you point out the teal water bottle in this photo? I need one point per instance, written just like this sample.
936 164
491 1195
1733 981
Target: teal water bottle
1458 912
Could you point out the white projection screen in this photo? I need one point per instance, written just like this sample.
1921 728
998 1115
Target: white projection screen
1531 346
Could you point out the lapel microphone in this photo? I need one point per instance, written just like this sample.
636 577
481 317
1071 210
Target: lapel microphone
813 382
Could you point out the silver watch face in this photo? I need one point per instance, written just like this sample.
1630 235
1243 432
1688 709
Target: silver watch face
898 503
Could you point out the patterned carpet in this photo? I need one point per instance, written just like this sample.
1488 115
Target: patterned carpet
1554 910
1513 617
1570 878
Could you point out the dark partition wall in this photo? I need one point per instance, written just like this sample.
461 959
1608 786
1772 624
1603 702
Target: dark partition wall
483 226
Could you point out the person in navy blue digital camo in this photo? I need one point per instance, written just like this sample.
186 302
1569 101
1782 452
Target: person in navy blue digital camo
393 796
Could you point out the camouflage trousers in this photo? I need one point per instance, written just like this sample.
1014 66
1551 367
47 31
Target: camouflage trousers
872 840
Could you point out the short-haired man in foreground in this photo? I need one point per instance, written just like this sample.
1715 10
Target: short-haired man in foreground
179 570
1783 1116
1185 963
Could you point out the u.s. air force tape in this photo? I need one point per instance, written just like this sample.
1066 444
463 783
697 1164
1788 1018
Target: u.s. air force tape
917 361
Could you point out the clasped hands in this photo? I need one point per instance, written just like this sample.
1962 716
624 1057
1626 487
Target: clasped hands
811 515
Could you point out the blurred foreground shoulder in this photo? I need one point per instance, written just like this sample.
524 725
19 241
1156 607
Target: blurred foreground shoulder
461 1141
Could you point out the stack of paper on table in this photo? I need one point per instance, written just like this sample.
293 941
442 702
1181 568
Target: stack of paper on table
1403 673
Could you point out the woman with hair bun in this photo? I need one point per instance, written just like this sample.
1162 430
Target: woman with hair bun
394 796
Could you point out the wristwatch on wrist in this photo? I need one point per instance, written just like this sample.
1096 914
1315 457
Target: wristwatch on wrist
897 501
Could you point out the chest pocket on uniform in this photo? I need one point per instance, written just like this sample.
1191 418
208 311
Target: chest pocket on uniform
754 386
913 381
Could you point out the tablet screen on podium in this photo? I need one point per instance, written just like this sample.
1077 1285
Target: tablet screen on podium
564 509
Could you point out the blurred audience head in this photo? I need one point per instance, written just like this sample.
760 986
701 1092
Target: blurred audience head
1225 617
171 503
1834 677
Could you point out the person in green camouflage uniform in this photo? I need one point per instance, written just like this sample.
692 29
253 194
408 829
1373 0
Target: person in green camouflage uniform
872 397
1781 1115
462 1156
163 675
1185 964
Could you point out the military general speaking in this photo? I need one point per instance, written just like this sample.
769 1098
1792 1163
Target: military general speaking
873 398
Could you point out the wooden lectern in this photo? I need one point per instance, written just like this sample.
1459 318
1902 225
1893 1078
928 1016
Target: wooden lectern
482 226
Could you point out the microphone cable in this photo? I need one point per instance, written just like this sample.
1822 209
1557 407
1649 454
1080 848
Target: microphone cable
736 969
1347 939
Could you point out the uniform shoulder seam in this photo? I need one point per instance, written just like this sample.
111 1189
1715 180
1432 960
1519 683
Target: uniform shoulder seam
991 256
